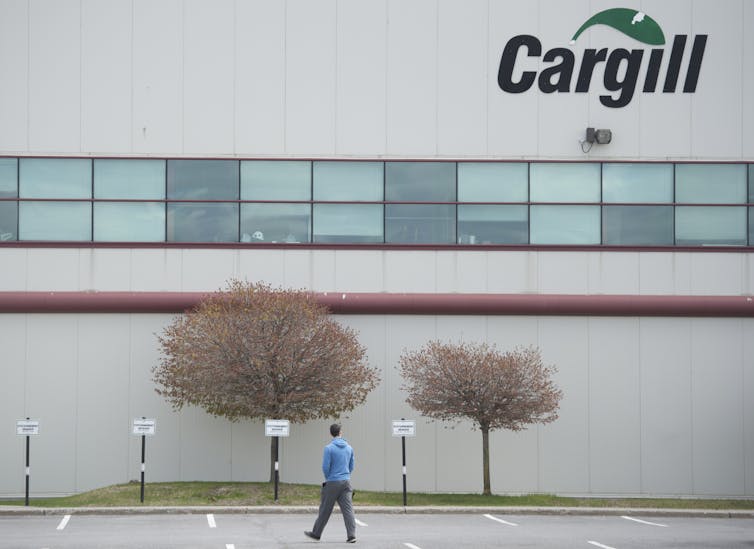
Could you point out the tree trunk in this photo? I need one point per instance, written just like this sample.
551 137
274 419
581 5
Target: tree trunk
486 459
273 457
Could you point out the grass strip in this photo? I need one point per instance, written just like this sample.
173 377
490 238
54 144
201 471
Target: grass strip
164 494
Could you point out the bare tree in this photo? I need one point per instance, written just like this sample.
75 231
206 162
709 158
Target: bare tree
475 381
256 352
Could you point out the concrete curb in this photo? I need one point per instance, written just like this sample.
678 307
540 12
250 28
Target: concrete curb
6 511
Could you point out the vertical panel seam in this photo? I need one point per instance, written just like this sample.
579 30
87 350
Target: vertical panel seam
285 76
81 76
132 86
335 83
742 336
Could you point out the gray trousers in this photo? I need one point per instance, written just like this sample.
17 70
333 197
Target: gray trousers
332 491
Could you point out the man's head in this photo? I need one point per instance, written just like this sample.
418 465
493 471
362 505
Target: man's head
335 429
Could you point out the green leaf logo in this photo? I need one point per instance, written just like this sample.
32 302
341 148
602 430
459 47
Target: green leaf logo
636 24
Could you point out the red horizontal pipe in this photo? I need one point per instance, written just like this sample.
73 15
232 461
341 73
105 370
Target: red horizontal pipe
395 303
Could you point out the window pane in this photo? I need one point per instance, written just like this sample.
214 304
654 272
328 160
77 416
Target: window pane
751 182
203 222
712 225
420 181
565 224
129 222
276 180
751 226
493 182
129 179
55 178
637 183
55 221
358 181
203 179
560 182
8 221
420 223
479 224
8 178
275 222
348 223
710 183
637 225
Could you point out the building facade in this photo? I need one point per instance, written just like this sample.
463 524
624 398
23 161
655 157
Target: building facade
429 169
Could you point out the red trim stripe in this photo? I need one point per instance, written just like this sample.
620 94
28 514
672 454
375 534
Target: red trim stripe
393 303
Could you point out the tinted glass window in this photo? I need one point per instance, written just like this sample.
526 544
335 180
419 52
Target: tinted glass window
711 225
348 223
202 222
60 221
493 182
560 182
203 179
751 182
478 224
637 183
8 221
637 225
420 181
420 224
55 178
288 223
565 224
129 222
276 180
8 178
346 181
117 178
710 183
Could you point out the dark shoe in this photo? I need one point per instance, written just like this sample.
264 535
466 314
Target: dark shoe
352 539
311 535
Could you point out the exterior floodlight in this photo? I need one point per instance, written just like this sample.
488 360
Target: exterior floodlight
601 137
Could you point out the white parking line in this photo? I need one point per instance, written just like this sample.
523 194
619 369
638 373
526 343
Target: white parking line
412 546
501 520
361 523
230 546
64 522
644 521
211 521
598 544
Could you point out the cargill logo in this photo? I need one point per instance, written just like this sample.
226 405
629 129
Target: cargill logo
622 67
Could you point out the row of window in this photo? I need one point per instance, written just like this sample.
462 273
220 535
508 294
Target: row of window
157 200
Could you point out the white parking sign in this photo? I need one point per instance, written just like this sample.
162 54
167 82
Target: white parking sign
404 428
277 427
144 426
27 427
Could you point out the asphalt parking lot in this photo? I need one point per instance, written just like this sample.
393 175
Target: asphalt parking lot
377 530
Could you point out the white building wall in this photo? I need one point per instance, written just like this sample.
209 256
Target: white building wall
369 79
418 271
651 407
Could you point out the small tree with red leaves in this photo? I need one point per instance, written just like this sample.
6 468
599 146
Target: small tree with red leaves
255 352
475 381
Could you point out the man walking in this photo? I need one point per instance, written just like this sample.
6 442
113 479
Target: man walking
337 465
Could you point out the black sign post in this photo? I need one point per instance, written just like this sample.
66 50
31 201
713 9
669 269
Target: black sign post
143 455
276 428
277 468
403 448
26 497
404 428
144 427
27 427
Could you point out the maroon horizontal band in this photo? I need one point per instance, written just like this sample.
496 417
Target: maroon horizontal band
399 303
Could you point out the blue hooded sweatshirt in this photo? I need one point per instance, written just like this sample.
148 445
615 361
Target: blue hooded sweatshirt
337 460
